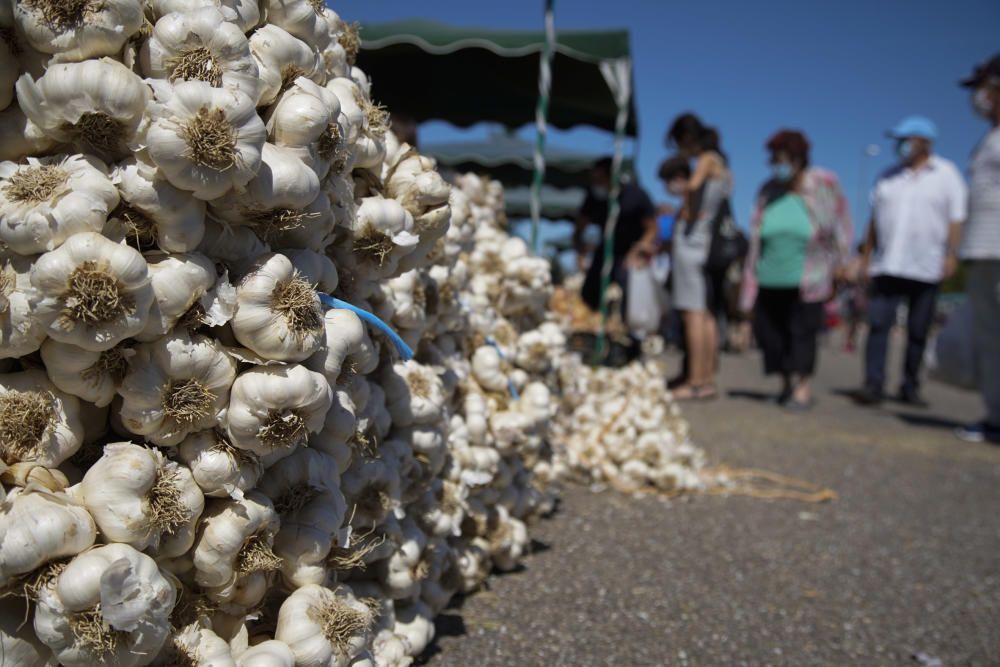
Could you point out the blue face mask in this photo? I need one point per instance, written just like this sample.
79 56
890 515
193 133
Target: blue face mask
904 149
782 171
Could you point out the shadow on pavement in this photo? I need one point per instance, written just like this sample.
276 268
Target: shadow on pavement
927 420
751 394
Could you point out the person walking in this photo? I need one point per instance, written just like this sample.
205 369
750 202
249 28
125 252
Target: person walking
697 293
800 239
980 249
918 207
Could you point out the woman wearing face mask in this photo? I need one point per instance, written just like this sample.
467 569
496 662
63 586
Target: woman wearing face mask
696 293
799 239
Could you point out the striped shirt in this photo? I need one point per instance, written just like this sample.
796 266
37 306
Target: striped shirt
981 232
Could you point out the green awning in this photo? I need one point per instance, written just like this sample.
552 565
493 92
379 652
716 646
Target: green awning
464 76
509 159
556 204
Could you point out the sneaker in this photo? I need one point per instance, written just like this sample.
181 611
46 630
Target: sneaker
912 397
868 396
981 432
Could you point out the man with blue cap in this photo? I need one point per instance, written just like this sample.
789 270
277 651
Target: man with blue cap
918 206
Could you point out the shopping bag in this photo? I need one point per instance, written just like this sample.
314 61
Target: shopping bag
951 357
645 301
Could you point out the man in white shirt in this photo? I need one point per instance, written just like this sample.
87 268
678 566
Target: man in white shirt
917 210
980 249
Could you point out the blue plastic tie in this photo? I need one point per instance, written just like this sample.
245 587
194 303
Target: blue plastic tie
510 383
404 350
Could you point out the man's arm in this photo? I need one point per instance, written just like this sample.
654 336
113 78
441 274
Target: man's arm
951 252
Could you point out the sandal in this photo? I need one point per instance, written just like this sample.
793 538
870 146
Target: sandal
691 392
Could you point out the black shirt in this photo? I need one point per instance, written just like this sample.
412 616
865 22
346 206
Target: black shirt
635 206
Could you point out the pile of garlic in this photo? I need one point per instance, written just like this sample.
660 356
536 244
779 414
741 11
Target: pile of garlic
200 464
620 426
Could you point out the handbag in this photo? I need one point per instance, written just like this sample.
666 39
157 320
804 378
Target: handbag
728 243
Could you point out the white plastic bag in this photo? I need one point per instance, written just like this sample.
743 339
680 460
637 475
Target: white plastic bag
646 301
951 357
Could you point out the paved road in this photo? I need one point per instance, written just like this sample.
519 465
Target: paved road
903 569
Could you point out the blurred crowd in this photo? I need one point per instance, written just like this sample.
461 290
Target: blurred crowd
797 268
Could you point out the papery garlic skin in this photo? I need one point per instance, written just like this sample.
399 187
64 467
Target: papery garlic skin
344 334
18 644
303 626
306 117
19 137
95 105
48 200
179 281
40 527
274 409
85 31
177 385
201 45
382 234
198 647
299 18
40 423
153 213
278 313
205 140
118 587
139 498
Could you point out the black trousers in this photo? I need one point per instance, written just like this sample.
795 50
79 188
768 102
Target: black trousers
786 330
887 292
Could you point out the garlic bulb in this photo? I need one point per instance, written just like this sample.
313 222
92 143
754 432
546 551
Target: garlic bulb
306 117
205 140
179 281
304 19
38 422
244 13
47 200
40 527
220 469
20 332
278 314
316 268
282 203
92 376
344 333
371 487
414 394
19 137
231 245
306 493
382 234
274 409
153 213
18 645
415 625
91 292
176 385
74 32
271 653
403 571
95 105
139 498
201 45
197 647
281 59
232 555
323 627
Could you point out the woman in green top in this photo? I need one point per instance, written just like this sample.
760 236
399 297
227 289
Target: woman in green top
799 241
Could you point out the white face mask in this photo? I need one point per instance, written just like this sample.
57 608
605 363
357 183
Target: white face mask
982 103
677 188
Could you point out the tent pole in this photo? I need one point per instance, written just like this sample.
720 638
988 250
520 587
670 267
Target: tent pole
618 75
541 121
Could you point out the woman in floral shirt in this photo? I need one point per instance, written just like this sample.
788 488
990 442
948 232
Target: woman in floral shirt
800 239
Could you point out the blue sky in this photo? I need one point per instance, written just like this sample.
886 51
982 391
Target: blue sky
840 71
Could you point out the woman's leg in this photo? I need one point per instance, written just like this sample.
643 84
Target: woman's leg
694 335
806 322
711 361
